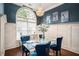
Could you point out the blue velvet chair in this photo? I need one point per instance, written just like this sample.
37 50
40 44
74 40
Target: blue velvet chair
42 49
57 46
23 41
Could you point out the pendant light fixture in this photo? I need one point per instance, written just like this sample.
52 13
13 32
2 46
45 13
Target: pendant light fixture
39 10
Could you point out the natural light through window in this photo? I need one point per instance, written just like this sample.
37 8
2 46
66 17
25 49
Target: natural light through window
26 22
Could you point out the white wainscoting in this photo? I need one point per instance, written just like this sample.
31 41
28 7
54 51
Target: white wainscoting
70 33
52 32
11 41
75 38
65 31
2 34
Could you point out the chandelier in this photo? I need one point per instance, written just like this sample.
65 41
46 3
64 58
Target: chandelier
39 11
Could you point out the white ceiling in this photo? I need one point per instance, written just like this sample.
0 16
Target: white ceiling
45 6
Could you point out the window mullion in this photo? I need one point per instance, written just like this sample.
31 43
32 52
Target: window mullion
27 26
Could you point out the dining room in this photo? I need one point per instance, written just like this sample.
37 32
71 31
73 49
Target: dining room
39 29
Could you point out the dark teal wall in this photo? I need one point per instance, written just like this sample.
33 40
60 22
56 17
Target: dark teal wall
1 8
10 10
39 20
72 8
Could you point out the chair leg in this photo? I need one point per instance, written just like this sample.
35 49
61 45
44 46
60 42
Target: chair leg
22 53
26 54
56 53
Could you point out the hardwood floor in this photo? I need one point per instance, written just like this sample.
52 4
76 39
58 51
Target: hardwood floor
17 52
13 52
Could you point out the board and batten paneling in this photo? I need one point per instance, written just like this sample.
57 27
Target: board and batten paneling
75 38
10 35
2 34
70 33
52 32
65 31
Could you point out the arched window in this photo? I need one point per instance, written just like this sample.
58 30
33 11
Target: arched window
25 21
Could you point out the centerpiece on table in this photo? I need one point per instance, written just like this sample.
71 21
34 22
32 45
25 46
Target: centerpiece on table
43 28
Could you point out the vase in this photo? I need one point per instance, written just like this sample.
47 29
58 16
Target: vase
43 35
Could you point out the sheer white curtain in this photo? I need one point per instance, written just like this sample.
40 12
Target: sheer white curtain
26 25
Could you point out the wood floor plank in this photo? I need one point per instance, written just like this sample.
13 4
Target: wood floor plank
17 52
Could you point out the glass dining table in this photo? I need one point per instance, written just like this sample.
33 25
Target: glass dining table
30 45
